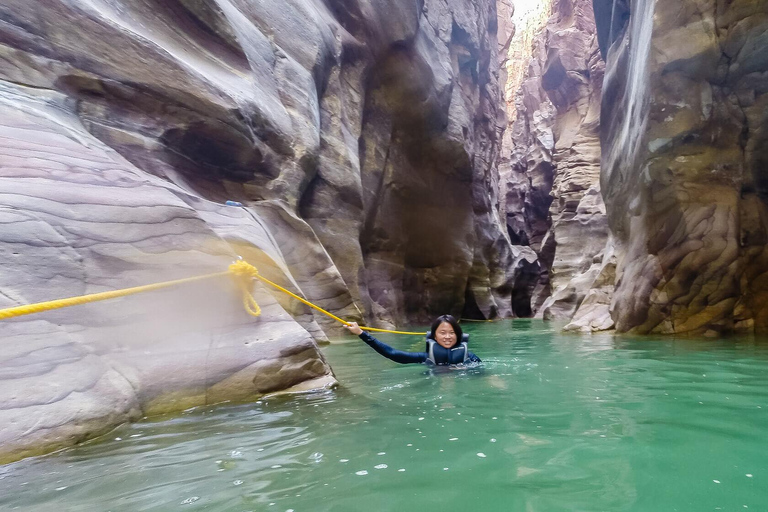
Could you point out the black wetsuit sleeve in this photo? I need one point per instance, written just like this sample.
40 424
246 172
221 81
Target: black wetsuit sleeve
397 356
474 359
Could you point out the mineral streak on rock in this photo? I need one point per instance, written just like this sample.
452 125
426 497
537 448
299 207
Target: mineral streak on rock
362 138
684 133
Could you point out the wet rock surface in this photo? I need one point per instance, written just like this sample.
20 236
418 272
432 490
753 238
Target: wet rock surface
361 137
685 112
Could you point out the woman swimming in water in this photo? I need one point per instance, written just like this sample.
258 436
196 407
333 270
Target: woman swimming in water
446 345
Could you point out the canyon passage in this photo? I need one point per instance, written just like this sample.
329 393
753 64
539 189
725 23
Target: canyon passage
593 169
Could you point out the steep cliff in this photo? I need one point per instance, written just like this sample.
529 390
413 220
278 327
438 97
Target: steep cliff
360 136
528 17
684 138
550 182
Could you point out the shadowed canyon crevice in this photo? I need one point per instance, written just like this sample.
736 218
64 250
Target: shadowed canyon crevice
679 244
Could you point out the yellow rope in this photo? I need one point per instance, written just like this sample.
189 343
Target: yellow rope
242 271
84 299
244 268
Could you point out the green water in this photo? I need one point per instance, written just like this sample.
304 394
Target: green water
550 422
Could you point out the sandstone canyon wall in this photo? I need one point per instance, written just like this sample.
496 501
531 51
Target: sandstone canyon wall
685 162
361 137
551 161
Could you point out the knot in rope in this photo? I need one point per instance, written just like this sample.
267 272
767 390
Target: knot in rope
242 268
244 273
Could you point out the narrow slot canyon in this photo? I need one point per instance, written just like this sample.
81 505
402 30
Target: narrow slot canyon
596 167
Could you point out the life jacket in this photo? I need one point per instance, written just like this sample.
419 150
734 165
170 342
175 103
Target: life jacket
439 355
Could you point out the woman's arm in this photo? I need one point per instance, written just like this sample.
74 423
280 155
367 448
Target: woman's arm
390 353
397 356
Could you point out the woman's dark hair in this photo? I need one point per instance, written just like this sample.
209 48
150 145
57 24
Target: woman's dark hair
448 319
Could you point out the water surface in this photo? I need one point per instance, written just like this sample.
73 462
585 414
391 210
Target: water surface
550 422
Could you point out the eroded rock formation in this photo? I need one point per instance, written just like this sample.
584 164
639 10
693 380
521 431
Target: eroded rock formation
527 18
78 218
551 177
685 149
362 138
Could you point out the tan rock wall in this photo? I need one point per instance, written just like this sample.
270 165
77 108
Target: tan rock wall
684 163
528 18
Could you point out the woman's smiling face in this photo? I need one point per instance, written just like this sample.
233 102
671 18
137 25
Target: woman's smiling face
445 336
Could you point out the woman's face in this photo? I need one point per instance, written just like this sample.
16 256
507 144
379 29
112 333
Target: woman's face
445 335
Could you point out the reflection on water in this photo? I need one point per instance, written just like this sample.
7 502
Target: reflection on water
550 422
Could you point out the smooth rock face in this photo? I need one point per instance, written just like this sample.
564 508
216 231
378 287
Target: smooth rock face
594 311
361 136
685 147
77 219
551 185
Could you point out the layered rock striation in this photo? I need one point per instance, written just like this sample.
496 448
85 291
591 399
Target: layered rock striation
361 138
78 219
684 137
